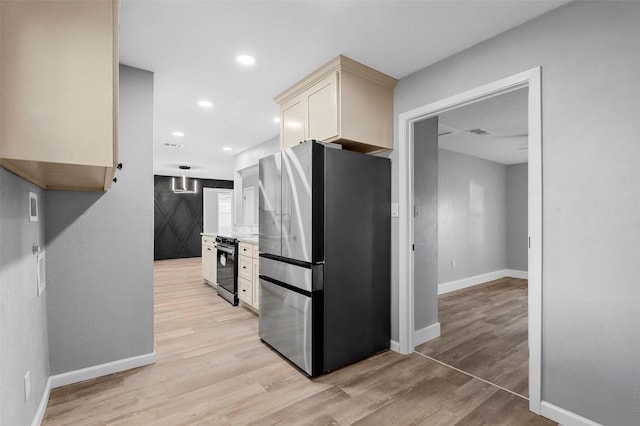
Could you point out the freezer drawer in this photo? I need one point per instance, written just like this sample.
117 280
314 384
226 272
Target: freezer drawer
307 278
286 323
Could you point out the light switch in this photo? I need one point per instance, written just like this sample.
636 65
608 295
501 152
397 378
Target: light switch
41 281
394 210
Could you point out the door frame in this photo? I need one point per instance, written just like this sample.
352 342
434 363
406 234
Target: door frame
406 120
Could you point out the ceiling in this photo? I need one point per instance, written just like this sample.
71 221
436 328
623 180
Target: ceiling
191 47
504 119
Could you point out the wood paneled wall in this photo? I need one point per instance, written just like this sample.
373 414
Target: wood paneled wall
178 218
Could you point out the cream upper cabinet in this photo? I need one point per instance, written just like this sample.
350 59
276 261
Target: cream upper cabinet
343 102
322 105
59 83
292 123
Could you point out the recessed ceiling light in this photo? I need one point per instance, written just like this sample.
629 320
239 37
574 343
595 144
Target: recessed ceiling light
177 133
227 148
246 59
276 119
205 104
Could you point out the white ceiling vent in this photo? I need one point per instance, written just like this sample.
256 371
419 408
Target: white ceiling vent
479 132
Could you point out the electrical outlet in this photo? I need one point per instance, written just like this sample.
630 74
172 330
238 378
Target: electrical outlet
27 385
453 263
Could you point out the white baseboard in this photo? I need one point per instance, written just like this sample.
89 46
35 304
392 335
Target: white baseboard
42 407
394 346
102 370
480 279
564 417
425 334
514 273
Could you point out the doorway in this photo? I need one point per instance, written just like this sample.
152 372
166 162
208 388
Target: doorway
407 334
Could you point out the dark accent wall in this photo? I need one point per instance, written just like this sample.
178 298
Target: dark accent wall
178 218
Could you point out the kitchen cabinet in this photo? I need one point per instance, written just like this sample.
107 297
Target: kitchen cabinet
209 260
256 282
59 79
343 102
248 283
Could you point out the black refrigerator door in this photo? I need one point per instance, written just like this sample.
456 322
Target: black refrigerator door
357 268
270 204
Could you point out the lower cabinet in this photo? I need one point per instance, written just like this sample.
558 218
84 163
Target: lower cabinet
209 260
256 282
248 283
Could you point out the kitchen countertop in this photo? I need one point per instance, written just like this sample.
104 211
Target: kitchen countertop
251 238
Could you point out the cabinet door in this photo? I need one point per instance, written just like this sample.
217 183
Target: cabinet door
292 123
322 101
245 249
245 290
256 284
209 263
213 272
59 92
245 267
205 262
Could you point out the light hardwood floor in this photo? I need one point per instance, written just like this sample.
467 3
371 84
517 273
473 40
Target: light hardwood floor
212 369
484 332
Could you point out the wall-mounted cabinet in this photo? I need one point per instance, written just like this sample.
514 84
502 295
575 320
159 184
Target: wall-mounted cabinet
343 102
59 83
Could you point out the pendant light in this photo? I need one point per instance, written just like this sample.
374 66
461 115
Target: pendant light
184 184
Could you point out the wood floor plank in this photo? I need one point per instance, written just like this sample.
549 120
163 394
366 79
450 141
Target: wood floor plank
484 331
212 369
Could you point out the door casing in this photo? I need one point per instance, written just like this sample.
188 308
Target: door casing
406 120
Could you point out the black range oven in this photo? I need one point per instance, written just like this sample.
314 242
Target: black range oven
227 268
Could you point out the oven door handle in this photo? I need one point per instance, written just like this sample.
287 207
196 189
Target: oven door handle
226 250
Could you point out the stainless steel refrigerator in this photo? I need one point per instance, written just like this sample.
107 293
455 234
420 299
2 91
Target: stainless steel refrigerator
325 252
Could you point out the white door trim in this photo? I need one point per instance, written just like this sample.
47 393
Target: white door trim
406 120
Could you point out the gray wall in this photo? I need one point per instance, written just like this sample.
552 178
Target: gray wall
23 316
517 217
100 250
591 226
471 216
425 180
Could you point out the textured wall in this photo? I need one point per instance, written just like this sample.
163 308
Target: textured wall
588 52
23 315
100 250
178 218
517 217
471 216
425 180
